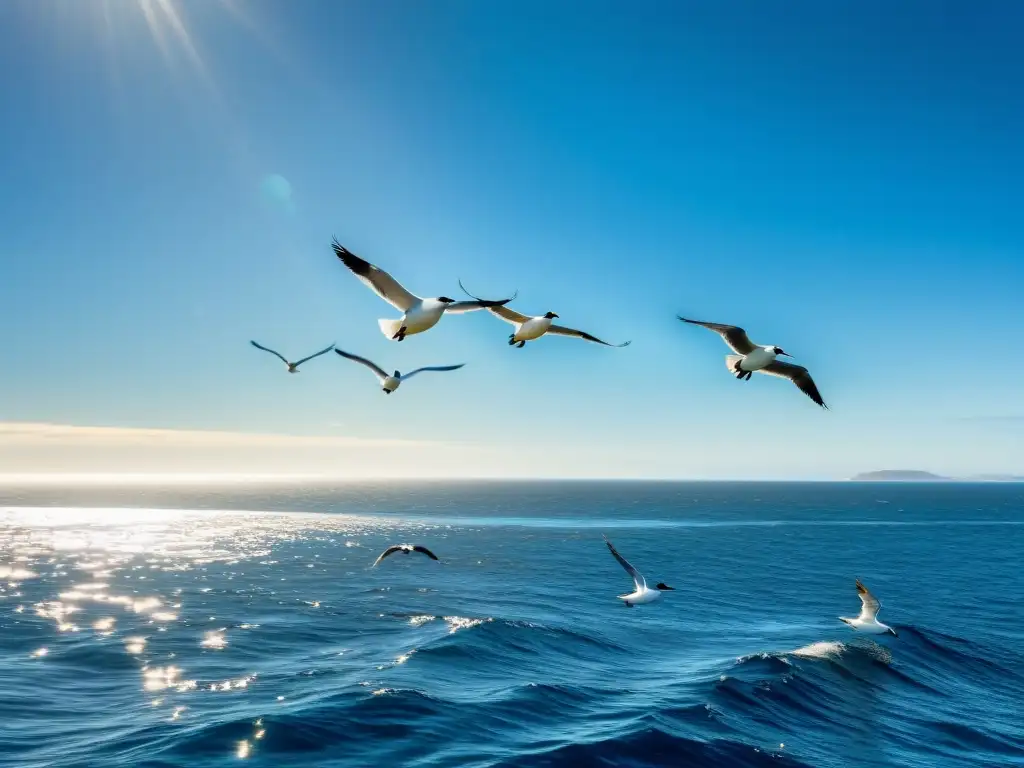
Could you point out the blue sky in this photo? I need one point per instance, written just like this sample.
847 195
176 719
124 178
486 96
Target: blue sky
842 179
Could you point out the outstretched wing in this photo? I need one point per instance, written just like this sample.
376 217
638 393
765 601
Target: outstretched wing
383 284
368 363
271 351
799 376
509 315
389 551
732 335
638 578
425 551
476 303
321 352
869 604
432 368
561 330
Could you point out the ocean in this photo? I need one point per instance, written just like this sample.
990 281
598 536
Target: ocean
242 625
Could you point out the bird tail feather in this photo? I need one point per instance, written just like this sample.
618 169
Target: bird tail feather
389 327
731 360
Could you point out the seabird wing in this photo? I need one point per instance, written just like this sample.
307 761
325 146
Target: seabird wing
869 604
425 551
732 335
561 330
509 315
368 363
476 303
379 281
638 578
799 376
271 351
432 368
321 352
389 551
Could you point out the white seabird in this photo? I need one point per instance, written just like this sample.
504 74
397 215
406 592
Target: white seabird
868 621
390 383
292 367
751 358
405 549
642 593
531 328
419 314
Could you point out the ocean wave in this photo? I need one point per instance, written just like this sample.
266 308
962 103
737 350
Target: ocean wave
654 748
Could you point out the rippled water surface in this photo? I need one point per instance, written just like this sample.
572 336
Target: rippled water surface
144 626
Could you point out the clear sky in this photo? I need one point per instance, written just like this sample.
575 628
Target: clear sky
843 179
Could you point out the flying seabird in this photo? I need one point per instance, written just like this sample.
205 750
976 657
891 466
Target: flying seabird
642 593
392 382
868 621
292 367
405 549
419 314
751 358
530 328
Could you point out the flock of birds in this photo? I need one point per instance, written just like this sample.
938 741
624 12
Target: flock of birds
419 315
867 621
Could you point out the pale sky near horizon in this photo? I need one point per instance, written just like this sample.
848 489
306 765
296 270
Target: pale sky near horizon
841 179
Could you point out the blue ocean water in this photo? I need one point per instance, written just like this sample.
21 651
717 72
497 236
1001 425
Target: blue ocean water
230 625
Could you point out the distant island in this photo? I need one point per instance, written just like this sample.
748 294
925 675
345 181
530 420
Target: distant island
920 476
900 475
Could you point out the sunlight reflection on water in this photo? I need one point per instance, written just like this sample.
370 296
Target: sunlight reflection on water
86 563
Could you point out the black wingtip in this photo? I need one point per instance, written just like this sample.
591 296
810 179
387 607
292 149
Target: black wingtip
349 259
486 302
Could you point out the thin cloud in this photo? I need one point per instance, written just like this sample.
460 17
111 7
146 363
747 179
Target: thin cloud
1004 418
25 434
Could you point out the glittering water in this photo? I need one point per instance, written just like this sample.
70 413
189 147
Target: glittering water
136 632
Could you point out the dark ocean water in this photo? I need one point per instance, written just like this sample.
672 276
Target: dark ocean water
135 633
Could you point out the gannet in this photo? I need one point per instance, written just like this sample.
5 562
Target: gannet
405 549
292 367
530 328
419 314
642 593
751 359
868 621
390 383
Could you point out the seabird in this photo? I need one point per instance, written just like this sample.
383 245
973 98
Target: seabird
292 367
392 382
642 593
868 621
419 314
751 358
530 328
405 549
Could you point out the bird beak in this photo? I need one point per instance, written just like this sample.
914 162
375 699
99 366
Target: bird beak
786 354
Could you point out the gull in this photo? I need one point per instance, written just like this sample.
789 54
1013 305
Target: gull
642 593
392 382
868 621
292 367
405 549
418 314
530 328
751 358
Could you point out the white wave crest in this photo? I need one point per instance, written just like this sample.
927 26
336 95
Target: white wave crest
455 623
820 650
